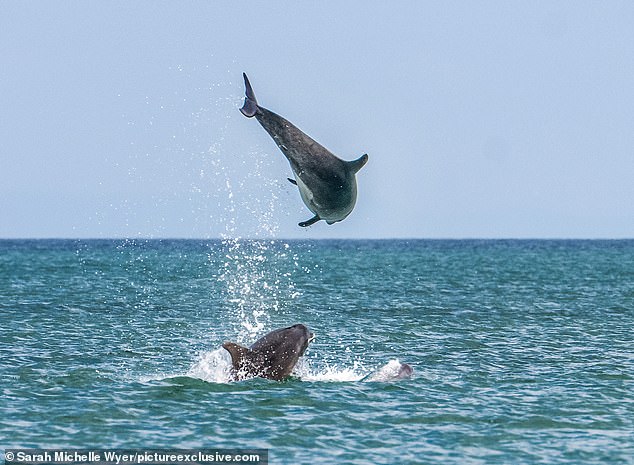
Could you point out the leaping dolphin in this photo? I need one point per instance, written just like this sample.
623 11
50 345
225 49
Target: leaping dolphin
326 183
273 356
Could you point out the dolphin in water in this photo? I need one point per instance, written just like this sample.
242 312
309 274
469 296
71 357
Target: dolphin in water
326 183
273 356
391 371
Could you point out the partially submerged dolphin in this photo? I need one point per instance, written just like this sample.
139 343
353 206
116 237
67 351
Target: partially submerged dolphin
273 356
326 183
392 371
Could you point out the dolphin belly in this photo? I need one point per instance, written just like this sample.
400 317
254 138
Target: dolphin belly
331 212
307 195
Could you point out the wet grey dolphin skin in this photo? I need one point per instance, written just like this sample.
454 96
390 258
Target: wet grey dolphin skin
406 371
326 183
273 356
393 371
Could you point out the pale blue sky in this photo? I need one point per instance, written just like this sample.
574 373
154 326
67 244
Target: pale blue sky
481 119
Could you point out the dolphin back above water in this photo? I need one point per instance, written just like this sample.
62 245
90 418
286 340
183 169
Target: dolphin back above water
326 183
273 356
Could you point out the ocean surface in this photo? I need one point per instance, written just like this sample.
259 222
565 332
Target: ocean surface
523 351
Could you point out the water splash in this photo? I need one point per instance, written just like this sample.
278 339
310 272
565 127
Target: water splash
257 277
256 272
245 277
213 366
333 373
255 269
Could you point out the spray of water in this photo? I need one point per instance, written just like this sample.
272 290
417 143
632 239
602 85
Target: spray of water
255 270
213 366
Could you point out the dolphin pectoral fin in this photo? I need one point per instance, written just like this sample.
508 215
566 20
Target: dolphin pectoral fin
357 164
292 181
310 222
238 354
250 107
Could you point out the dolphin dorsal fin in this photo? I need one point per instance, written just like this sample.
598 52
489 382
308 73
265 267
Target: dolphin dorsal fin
356 165
238 354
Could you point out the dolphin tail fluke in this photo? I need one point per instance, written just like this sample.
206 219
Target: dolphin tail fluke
357 164
250 107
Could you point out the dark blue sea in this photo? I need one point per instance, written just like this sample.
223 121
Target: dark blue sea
523 351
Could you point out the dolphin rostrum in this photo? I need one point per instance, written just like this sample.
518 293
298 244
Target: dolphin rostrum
273 356
326 183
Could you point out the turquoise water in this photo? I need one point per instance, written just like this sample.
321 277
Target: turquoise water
523 351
